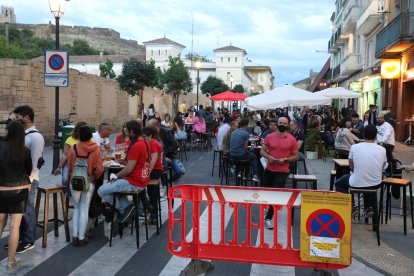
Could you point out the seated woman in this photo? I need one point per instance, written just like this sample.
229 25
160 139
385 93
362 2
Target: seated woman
199 124
122 140
167 121
344 138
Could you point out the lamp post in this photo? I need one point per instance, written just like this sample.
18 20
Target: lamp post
57 8
198 66
231 82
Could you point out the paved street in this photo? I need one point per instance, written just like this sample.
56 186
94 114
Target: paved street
393 257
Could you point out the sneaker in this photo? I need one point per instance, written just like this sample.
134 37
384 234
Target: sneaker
163 191
82 243
269 224
129 211
369 213
75 241
256 178
15 264
23 247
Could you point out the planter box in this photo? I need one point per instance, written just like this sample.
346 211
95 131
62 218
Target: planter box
311 154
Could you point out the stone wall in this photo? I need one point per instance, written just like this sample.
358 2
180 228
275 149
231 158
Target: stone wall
102 39
94 99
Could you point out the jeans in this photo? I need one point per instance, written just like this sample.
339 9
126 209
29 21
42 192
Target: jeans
248 155
274 180
119 185
342 184
28 225
81 201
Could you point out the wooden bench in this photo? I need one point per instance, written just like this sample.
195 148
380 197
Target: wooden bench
389 182
305 178
47 191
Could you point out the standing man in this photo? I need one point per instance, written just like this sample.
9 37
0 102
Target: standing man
385 136
36 143
372 117
279 148
183 107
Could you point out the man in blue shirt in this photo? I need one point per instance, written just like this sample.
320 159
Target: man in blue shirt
357 127
238 147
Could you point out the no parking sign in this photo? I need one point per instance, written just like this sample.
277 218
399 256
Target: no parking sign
57 68
325 228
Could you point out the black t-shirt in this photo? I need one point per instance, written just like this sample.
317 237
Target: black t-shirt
300 136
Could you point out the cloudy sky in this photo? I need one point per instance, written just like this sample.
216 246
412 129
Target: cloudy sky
278 33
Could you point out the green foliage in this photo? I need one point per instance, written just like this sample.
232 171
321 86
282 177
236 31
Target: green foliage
176 80
81 47
106 70
195 57
136 75
313 137
32 47
212 86
9 50
238 88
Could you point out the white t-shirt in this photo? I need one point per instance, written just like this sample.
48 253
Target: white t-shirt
220 135
386 134
369 160
101 142
35 142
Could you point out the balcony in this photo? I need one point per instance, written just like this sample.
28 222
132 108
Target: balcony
333 44
396 37
336 71
369 19
350 17
350 64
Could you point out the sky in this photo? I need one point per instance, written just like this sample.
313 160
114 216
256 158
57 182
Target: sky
278 33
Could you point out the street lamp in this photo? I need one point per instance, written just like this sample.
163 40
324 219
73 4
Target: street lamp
231 82
57 8
198 66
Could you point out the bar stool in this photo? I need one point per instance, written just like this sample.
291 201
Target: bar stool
182 150
47 191
305 178
226 171
332 180
156 183
135 196
296 166
370 195
390 181
243 171
220 160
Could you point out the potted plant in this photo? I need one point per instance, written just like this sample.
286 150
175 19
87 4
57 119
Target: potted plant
312 139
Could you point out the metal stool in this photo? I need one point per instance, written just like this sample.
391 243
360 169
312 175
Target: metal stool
390 181
296 166
220 156
243 171
306 178
58 189
135 196
156 183
332 180
226 171
182 150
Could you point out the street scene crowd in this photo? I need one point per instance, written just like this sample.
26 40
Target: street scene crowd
262 149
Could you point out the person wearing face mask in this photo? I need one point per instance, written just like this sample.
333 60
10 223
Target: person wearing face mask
280 148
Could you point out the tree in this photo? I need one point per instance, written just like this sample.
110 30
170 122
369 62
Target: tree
135 76
238 88
81 47
212 86
195 57
106 70
176 80
9 50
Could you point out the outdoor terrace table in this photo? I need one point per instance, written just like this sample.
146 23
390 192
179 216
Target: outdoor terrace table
341 167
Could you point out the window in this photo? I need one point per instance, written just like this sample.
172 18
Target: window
159 52
235 59
228 59
221 59
166 52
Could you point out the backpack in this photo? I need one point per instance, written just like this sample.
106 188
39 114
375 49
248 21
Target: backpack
41 160
180 134
80 179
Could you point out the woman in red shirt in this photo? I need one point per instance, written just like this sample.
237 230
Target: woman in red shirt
122 141
156 168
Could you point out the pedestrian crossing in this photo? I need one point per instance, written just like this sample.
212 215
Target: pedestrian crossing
153 258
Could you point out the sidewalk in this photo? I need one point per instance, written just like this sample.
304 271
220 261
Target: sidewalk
395 255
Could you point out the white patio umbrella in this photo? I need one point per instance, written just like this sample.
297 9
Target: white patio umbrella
339 93
285 96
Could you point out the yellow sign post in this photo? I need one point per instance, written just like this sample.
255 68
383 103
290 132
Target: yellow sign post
325 228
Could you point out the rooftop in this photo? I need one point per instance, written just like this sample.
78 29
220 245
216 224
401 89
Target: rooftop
163 40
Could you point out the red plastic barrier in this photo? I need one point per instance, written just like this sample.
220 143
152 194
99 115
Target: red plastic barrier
238 245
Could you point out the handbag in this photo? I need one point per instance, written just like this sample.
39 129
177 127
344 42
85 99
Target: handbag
180 134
